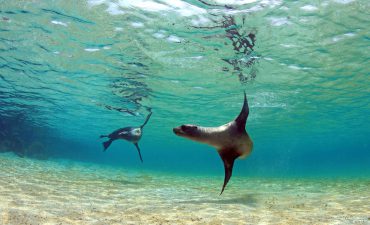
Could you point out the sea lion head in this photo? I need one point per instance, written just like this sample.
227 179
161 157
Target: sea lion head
188 131
136 132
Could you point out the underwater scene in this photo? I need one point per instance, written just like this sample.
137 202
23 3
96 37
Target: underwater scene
184 112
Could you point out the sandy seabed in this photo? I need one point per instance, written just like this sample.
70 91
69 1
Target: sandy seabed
50 192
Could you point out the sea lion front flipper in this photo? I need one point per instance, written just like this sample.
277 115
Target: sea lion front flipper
241 120
138 149
146 120
228 157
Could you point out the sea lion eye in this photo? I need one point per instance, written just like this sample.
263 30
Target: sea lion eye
188 128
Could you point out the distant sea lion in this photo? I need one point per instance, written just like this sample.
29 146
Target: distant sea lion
231 140
131 134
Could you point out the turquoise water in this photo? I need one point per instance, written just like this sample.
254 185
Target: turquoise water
71 71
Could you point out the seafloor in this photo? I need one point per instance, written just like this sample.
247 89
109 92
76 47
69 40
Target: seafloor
64 192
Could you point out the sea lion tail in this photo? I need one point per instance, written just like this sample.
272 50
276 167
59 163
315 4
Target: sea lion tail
106 144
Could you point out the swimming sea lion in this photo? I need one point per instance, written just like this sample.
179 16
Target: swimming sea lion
131 134
231 140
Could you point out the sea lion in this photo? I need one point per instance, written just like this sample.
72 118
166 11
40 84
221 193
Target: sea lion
131 134
230 140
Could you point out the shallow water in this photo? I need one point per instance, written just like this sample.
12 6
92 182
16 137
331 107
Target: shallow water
71 71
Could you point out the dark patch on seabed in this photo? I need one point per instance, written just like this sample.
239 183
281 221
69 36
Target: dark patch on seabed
20 135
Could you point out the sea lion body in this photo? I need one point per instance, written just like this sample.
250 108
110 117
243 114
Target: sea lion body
231 140
225 136
131 134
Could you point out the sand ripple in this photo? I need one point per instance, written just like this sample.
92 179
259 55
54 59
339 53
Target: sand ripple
45 192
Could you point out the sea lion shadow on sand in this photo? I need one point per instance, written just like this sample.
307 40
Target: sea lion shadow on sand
247 199
127 182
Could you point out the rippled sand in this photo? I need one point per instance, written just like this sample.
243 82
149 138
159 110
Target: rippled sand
41 192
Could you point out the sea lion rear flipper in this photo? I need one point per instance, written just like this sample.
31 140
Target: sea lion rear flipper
106 144
228 157
138 149
241 120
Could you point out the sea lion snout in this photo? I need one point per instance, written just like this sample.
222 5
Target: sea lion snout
186 130
177 130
